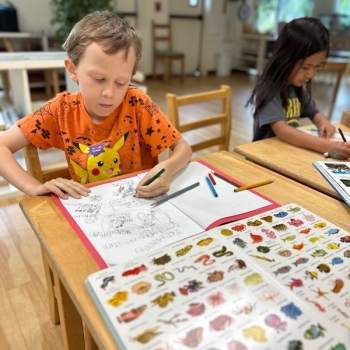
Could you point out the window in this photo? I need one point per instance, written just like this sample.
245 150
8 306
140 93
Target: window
193 3
270 12
343 8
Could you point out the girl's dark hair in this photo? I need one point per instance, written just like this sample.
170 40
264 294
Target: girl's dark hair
298 40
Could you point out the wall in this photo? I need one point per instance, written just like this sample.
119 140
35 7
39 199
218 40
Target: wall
220 28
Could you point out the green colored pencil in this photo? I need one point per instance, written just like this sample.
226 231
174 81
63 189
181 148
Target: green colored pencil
160 172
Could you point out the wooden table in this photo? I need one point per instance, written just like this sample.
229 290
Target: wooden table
288 160
73 262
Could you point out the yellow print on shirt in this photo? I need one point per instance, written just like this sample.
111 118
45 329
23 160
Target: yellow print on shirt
293 111
102 162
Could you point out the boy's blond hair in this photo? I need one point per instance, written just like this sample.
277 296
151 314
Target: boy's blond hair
106 29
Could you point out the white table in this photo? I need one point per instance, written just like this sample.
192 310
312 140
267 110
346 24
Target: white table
17 64
9 36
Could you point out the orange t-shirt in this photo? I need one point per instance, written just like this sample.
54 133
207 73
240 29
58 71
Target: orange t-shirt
128 140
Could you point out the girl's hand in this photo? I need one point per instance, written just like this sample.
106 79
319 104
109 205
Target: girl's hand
157 187
62 188
326 130
339 150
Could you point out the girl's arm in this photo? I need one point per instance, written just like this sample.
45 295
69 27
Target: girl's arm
325 128
289 134
181 154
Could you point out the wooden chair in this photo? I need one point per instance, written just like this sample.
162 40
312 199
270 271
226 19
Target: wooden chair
61 307
345 118
223 118
162 33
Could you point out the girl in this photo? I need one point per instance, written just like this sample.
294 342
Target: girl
282 94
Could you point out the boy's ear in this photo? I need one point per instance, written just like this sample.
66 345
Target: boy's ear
70 68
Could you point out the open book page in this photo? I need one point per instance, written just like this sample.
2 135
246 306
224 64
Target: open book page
119 226
312 130
201 205
275 281
337 173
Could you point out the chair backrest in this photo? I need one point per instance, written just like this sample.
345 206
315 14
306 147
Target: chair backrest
45 174
345 118
223 118
162 33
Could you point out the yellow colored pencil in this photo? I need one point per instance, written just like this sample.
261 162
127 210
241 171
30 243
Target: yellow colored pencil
257 184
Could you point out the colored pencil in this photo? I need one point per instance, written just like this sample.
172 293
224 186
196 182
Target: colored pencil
149 181
211 179
211 186
225 179
257 184
175 194
342 135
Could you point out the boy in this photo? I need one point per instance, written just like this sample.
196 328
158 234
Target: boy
106 129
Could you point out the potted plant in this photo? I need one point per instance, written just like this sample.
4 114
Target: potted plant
66 13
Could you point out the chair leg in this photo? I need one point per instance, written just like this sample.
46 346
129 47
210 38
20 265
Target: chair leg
48 90
53 307
71 323
6 85
89 340
182 70
154 68
55 82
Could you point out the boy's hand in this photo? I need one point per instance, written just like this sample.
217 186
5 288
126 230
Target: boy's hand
157 187
339 150
62 188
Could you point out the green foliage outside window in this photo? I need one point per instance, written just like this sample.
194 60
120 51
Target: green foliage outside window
68 12
344 9
270 12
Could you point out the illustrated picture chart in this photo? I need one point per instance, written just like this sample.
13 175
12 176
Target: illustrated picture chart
279 280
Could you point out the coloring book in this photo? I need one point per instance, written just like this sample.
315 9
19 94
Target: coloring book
312 130
116 226
277 280
337 173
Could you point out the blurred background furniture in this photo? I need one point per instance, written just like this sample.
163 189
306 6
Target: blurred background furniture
166 54
339 65
18 63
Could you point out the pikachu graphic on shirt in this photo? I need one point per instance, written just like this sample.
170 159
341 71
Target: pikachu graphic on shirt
102 162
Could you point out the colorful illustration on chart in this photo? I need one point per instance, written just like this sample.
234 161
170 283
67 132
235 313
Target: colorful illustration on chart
191 287
346 182
131 315
184 250
107 280
338 168
118 299
141 287
162 260
147 335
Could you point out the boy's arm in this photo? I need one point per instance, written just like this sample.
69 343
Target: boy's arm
180 156
325 128
12 141
298 138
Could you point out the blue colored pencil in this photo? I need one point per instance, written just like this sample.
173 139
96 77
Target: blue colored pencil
211 186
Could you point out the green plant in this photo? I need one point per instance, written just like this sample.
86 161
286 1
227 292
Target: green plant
68 12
